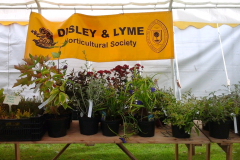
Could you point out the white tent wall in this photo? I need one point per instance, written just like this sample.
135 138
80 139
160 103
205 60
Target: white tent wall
200 60
198 50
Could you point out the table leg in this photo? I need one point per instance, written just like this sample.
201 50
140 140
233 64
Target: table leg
59 154
227 148
193 150
17 151
190 151
208 148
176 151
229 152
126 151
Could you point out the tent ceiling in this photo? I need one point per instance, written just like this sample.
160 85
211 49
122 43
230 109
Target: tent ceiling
109 4
200 11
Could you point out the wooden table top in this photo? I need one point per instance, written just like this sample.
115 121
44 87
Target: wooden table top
162 135
233 138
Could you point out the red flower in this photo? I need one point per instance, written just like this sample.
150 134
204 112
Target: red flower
89 73
100 72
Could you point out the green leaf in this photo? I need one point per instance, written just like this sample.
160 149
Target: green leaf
45 71
197 131
56 101
65 106
30 56
57 75
62 97
236 110
56 55
64 82
55 90
62 88
52 96
49 84
23 74
64 43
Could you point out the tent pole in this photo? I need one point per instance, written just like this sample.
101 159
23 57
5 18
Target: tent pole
120 8
225 69
39 7
170 5
176 71
173 77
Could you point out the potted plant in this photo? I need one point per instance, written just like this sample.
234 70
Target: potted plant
164 98
24 122
144 100
217 111
49 80
85 91
115 101
181 113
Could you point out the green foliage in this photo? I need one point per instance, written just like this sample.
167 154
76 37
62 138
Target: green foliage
24 114
217 107
182 112
93 91
115 101
2 96
29 104
47 77
144 91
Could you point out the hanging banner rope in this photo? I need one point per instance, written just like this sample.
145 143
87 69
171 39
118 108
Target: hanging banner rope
123 37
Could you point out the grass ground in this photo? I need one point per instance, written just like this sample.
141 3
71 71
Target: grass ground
111 152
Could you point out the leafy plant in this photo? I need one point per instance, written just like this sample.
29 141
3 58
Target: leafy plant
24 114
115 101
216 108
47 77
182 112
144 93
29 104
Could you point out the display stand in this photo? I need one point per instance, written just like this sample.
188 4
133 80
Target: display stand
162 136
225 144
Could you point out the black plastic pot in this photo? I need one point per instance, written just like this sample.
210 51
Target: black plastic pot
68 119
75 114
110 128
147 128
238 124
205 126
57 127
219 130
88 126
179 132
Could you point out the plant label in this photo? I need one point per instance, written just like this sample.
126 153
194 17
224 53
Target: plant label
103 116
235 124
12 100
36 88
150 118
43 104
90 108
165 112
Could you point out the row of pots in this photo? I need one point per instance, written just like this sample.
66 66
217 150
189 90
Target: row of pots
90 126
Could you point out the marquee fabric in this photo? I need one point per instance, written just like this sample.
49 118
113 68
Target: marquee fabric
125 37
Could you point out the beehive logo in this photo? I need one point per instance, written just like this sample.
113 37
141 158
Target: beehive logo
157 36
45 38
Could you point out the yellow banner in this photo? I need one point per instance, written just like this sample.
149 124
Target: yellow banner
123 37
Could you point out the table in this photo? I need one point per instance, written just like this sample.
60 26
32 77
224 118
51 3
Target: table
162 135
225 144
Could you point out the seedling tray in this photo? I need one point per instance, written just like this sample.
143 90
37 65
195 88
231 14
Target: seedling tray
27 129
